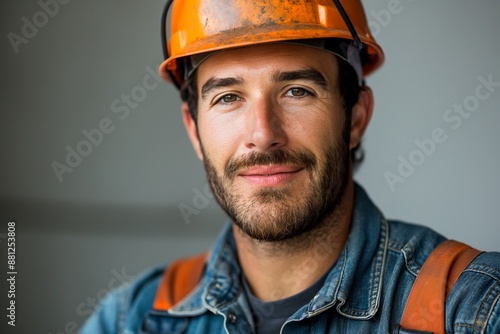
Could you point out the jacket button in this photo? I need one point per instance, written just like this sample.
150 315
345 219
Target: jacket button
231 317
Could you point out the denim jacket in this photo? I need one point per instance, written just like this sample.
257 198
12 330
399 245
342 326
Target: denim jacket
365 291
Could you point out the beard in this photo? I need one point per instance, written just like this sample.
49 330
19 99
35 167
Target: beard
278 214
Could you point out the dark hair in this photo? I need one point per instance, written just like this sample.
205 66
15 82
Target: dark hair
348 90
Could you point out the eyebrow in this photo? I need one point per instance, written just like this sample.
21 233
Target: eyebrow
306 74
213 83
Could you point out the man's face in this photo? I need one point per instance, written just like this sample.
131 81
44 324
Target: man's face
273 137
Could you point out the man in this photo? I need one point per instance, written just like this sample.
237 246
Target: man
275 106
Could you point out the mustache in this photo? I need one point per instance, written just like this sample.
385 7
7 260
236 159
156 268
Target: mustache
303 158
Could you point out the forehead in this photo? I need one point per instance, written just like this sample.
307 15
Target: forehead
267 59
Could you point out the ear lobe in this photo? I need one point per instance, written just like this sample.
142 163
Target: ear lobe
191 129
361 115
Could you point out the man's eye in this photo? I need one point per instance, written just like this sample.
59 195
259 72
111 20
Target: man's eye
297 92
228 98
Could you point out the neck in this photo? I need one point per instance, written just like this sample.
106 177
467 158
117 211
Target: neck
277 270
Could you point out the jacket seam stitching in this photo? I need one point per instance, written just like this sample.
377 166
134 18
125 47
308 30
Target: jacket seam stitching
493 305
479 271
481 318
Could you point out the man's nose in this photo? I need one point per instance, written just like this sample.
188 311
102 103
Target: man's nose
264 126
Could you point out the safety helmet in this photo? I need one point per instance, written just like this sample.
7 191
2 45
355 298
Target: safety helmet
202 26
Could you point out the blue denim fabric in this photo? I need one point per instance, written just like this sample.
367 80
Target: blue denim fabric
365 291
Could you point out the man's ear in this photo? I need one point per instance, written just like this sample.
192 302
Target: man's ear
191 129
361 115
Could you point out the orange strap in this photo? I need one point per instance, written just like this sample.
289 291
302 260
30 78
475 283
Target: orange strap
425 307
179 279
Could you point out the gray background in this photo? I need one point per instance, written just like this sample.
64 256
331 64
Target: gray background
118 210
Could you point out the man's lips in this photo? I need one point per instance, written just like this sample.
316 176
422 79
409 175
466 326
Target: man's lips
270 175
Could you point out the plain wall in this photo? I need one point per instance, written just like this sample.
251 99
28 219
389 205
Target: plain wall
118 211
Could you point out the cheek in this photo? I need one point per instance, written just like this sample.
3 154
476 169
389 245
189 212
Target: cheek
219 140
321 127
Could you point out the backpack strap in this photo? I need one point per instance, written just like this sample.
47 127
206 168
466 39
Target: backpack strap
178 280
425 307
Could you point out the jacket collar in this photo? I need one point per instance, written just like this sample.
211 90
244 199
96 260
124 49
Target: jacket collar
353 284
220 282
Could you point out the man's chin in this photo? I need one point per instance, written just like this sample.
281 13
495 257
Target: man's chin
268 223
266 232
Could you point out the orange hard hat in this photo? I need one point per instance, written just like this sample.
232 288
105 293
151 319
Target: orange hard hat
200 26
